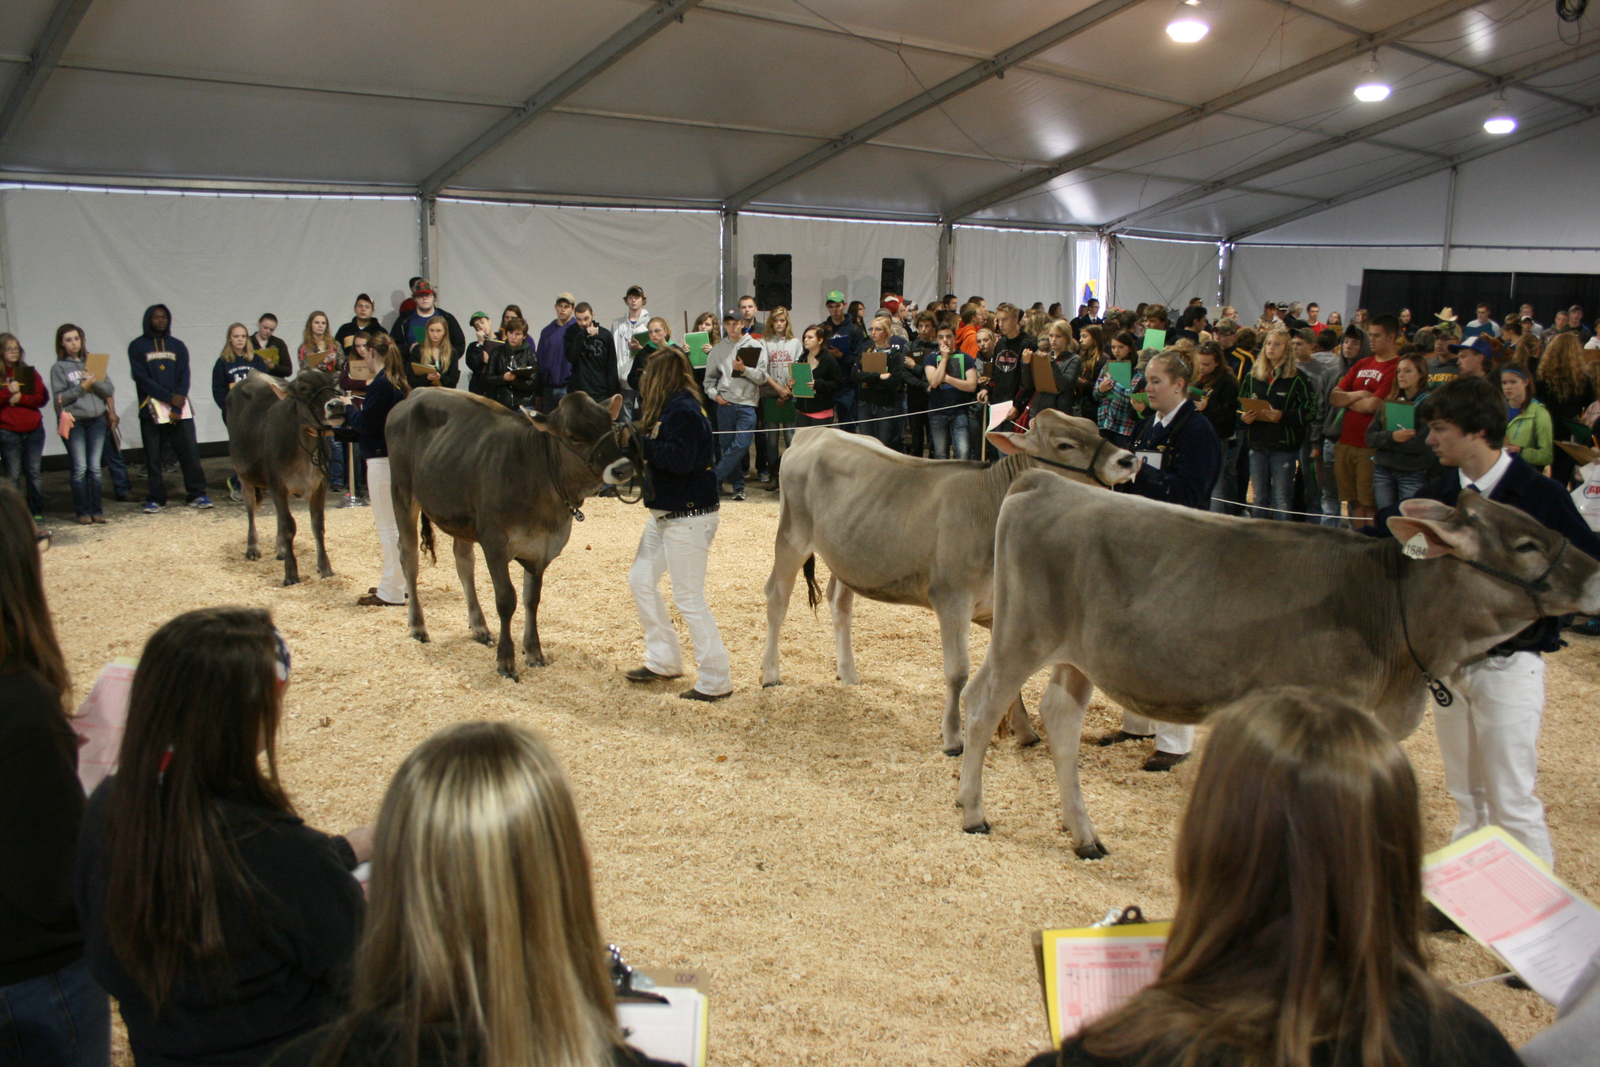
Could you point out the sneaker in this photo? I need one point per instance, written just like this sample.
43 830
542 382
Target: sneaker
363 502
738 494
170 468
38 520
201 502
645 674
151 507
709 698
348 502
1588 628
763 477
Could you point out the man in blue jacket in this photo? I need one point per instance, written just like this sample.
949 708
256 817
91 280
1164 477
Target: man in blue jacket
1489 735
160 366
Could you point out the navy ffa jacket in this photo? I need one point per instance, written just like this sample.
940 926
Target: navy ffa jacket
225 375
1528 491
679 456
1191 459
159 362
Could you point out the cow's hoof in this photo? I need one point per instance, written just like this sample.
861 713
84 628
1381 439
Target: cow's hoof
1094 850
535 661
279 557
770 685
291 581
483 637
420 635
325 573
981 828
507 672
953 752
1030 744
252 553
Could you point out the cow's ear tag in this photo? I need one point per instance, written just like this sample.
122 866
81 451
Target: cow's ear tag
1417 547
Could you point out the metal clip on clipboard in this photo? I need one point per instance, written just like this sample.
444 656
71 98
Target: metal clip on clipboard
622 980
1129 916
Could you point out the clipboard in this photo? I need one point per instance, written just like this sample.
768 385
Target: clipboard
694 344
1579 431
97 364
1255 404
1090 971
750 360
424 369
1044 373
643 337
1154 339
1582 453
874 361
664 1014
1121 372
778 412
268 355
164 411
800 380
1399 416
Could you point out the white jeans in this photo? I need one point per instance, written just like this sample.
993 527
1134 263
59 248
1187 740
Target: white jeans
392 586
679 548
1489 741
1170 737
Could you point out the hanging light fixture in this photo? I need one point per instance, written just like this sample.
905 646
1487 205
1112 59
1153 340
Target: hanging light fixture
1188 23
1500 121
1371 88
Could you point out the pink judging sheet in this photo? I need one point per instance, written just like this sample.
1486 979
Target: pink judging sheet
1091 971
1502 895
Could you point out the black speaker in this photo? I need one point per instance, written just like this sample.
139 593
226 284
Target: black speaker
773 285
893 277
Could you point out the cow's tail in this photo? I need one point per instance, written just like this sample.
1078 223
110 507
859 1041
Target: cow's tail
813 590
427 537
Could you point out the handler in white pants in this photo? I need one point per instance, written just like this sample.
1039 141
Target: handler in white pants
392 586
1489 739
681 493
679 548
1170 737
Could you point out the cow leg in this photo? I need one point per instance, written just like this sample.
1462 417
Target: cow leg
993 688
465 564
405 518
786 562
841 603
955 620
319 497
1026 738
280 502
495 554
532 589
1066 697
252 501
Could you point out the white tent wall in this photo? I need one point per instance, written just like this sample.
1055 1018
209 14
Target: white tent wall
1017 265
1169 272
1329 276
490 255
98 259
830 254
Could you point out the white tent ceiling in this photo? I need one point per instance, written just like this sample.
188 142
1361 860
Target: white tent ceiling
1027 112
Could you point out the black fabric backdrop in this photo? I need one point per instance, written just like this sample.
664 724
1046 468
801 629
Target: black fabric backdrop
1426 292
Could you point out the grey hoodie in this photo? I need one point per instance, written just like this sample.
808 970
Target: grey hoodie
70 397
720 381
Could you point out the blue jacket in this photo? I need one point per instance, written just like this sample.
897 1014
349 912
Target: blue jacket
679 458
552 351
1191 459
159 362
1528 491
225 376
365 424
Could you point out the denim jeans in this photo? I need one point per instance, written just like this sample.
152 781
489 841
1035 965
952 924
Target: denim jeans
1332 513
120 484
947 429
1272 481
85 446
55 1020
1227 480
844 408
24 454
890 430
1389 486
180 435
735 448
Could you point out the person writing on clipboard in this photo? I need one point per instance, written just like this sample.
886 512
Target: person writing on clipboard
1179 458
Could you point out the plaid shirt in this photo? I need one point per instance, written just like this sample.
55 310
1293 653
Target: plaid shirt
1116 412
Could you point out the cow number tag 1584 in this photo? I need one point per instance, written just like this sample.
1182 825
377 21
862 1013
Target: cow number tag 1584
1417 547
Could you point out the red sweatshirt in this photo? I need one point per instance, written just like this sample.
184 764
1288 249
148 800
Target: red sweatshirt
23 416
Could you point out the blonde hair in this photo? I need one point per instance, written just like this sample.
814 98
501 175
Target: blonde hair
664 325
228 355
788 323
481 915
1562 368
1172 362
439 357
1262 371
310 343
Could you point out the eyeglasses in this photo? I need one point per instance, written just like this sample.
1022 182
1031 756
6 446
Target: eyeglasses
42 539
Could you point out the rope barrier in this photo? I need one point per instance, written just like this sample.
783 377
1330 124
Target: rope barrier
838 425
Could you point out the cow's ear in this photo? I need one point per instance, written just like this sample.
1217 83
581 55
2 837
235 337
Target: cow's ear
272 383
614 406
1427 538
1009 443
1423 508
540 422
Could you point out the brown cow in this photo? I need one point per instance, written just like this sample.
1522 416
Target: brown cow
278 441
508 482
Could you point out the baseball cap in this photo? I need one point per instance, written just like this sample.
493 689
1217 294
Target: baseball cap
634 290
1479 343
835 297
422 288
732 313
892 305
476 315
565 298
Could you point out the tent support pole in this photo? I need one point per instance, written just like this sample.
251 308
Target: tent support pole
427 216
1224 274
730 259
1449 220
947 282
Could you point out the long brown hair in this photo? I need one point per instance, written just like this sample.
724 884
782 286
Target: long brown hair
482 916
1561 367
394 361
667 374
27 634
24 371
205 700
83 341
1299 871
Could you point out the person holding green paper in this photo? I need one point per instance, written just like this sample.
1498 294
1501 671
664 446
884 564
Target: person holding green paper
1531 432
1402 463
1115 389
952 382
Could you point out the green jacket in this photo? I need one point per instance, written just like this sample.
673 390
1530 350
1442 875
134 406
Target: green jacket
1534 432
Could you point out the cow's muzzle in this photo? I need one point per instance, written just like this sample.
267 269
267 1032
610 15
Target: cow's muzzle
335 411
618 471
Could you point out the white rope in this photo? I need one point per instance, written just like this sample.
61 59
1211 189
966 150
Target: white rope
1258 507
840 425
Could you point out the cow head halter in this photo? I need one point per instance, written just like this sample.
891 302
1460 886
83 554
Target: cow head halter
1441 692
318 452
633 450
1092 470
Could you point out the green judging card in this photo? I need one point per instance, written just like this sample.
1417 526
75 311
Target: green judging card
800 379
1154 339
1142 398
1399 417
696 343
1196 392
1580 432
778 412
1121 372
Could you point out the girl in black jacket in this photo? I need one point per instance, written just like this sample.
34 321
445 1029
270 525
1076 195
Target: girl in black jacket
221 923
1065 368
1275 434
512 370
682 497
827 378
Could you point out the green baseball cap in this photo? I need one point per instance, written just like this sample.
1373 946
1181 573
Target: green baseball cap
836 297
476 315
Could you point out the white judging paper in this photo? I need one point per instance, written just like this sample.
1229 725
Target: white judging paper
1150 459
1090 971
164 411
1505 898
999 413
674 1031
